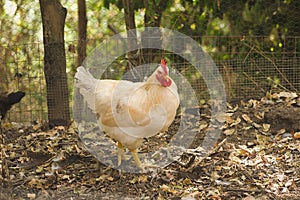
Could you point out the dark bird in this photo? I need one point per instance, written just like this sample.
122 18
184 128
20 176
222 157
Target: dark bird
7 100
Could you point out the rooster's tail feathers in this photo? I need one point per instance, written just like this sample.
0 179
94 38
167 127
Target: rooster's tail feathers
84 78
86 84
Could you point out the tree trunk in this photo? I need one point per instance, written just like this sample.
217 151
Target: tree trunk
131 32
53 19
81 52
82 25
152 18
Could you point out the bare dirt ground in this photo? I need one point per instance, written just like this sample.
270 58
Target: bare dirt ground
256 157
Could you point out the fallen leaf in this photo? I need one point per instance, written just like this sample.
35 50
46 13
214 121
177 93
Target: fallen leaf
236 122
281 131
249 198
168 189
244 152
263 140
289 183
134 180
65 176
259 115
38 183
247 128
229 119
297 135
256 125
186 181
274 187
231 109
289 95
102 177
203 126
254 103
143 179
223 182
39 169
216 197
298 102
292 102
229 131
31 195
192 196
246 118
234 158
221 117
284 190
266 127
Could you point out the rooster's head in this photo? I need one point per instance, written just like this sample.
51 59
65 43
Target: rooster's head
162 74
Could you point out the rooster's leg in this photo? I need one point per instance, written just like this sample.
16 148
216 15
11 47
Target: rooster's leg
120 153
136 159
139 163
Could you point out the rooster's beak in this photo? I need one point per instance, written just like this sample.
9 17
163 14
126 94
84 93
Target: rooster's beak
166 77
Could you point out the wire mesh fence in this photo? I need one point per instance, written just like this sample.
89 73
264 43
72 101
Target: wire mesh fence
250 66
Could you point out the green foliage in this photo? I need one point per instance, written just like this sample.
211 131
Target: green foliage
138 4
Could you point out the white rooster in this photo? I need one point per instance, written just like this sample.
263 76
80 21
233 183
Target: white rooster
130 111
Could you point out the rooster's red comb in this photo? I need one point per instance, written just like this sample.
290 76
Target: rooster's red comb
163 64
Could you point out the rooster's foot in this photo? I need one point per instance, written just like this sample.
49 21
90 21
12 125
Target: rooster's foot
121 155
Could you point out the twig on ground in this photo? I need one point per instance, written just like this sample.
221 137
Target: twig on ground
214 150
